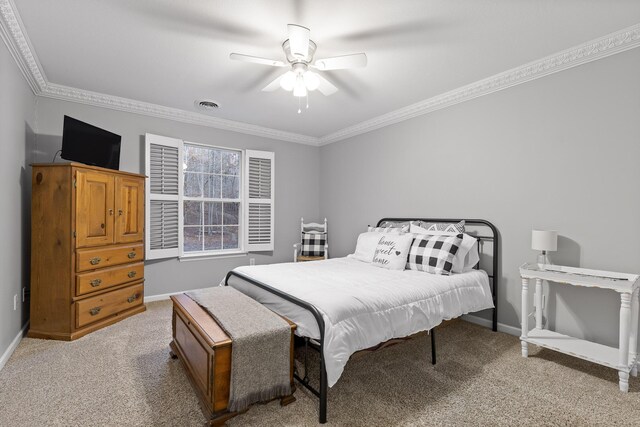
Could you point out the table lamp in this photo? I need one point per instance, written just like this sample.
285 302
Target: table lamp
543 241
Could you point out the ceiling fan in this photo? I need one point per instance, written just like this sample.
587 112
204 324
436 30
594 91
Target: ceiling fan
299 51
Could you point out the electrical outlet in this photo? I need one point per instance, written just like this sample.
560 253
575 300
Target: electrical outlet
252 261
15 302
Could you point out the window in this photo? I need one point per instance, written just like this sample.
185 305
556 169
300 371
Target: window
211 199
205 200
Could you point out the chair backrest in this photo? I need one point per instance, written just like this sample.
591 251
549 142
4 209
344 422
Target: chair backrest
313 227
313 240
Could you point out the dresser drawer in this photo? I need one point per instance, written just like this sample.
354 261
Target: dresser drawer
107 277
99 307
91 259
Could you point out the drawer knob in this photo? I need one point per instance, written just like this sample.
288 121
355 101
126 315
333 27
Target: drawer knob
132 274
95 282
131 255
95 261
111 212
95 310
120 212
132 298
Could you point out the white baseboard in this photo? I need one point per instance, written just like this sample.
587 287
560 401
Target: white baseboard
14 344
507 329
161 297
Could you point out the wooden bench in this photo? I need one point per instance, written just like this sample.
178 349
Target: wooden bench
205 351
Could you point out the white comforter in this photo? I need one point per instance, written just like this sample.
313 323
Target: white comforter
363 305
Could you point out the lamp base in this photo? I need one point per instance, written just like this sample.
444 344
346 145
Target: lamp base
543 258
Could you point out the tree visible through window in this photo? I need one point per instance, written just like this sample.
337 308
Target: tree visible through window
211 199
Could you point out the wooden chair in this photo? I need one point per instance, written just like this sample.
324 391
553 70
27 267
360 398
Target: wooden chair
311 228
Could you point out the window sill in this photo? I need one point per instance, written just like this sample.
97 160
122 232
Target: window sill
200 257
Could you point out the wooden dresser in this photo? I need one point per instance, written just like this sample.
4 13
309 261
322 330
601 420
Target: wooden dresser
87 249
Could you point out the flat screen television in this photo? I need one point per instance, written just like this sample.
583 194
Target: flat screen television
84 143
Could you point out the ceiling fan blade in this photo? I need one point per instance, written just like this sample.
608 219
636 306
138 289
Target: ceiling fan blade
298 40
274 85
326 87
256 60
342 62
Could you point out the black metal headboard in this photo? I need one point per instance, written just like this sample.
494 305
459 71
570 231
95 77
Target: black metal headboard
494 238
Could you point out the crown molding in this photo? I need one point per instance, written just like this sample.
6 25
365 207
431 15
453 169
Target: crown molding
82 96
593 50
17 41
15 37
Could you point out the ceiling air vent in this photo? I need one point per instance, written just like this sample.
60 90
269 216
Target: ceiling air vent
206 105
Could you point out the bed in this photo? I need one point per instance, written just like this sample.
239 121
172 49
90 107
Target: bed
343 305
362 305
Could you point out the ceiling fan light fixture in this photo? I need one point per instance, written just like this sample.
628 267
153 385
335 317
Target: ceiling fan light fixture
299 52
288 81
300 89
311 80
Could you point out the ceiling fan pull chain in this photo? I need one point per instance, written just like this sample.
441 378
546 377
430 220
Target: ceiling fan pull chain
307 100
299 110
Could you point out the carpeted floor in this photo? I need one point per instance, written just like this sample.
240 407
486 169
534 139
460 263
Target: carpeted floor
122 376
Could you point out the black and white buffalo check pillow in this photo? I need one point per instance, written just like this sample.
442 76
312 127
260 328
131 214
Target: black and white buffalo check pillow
313 244
434 254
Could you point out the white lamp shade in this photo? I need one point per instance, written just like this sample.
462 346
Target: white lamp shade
288 81
299 89
311 80
544 240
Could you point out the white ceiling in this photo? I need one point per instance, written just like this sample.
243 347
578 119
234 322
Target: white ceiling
172 53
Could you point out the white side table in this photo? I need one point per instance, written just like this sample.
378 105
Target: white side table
624 358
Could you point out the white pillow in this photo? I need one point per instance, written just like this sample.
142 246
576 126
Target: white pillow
392 251
472 258
366 246
466 257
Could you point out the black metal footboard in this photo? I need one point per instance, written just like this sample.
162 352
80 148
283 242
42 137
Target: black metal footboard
322 393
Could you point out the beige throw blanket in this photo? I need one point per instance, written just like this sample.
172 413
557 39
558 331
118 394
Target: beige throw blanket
260 352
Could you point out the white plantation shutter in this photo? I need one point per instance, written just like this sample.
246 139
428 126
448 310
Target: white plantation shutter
163 167
259 196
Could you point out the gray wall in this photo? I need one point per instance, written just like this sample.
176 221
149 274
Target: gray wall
559 153
16 139
296 190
